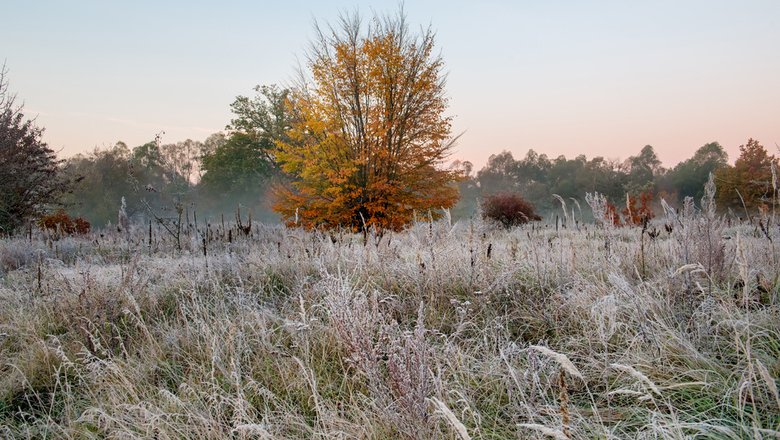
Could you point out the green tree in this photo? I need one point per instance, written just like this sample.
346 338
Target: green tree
241 168
468 188
101 181
528 176
537 178
236 172
29 169
163 168
499 174
533 175
266 118
643 170
605 177
687 178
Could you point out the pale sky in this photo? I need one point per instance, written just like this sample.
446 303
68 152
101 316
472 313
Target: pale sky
600 78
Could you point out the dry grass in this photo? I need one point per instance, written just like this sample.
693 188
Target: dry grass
442 331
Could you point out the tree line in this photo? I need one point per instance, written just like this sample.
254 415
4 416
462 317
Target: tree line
215 176
748 185
361 140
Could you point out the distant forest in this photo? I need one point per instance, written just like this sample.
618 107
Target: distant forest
238 169
211 179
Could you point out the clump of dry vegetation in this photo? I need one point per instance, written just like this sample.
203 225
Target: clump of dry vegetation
508 209
440 331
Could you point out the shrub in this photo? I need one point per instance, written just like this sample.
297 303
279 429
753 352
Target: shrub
638 214
509 209
60 223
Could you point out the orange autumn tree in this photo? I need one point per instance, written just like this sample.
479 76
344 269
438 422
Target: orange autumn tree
369 131
749 183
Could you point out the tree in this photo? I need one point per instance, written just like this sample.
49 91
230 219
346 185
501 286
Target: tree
101 181
749 181
509 209
468 189
642 171
164 167
237 172
237 165
29 169
688 178
183 159
533 175
499 174
528 176
368 133
265 118
244 164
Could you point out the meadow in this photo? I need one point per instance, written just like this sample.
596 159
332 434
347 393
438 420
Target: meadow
442 331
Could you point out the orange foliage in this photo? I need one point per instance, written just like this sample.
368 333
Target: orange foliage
749 183
636 212
369 133
59 222
611 215
637 215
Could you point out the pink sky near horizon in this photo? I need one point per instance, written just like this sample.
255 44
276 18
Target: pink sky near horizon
563 78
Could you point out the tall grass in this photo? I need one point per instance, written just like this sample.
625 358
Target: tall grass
441 331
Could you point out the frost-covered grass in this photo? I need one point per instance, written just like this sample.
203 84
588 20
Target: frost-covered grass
440 331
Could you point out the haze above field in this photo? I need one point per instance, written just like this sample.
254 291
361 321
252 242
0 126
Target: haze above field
595 78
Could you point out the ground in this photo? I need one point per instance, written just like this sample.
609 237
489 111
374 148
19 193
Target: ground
441 331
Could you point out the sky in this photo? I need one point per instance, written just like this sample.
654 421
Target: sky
599 78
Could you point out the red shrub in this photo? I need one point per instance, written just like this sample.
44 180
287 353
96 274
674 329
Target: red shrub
60 223
611 215
509 209
81 225
637 215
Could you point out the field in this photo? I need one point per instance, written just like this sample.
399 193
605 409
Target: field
441 331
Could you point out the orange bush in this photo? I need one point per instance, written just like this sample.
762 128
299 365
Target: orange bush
637 214
611 215
59 222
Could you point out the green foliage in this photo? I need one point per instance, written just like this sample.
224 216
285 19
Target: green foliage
538 178
102 179
688 178
263 116
236 172
240 169
237 165
152 174
642 171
